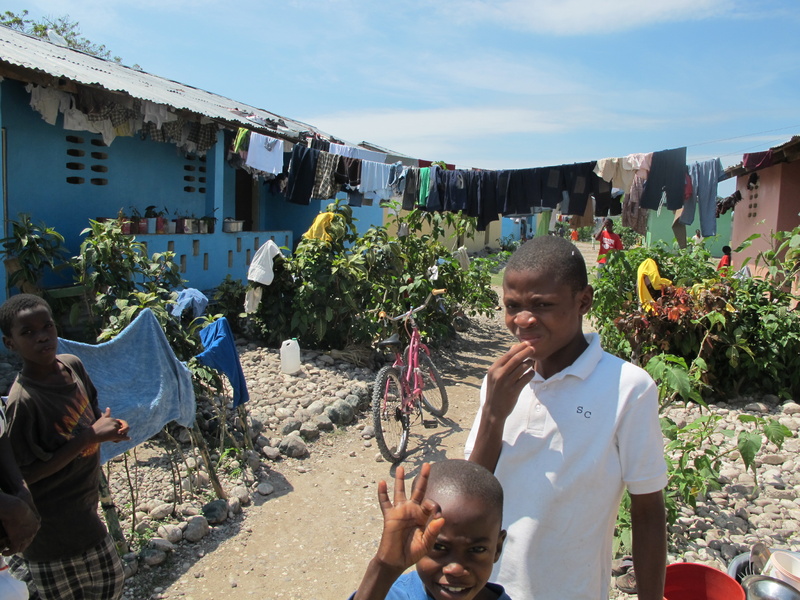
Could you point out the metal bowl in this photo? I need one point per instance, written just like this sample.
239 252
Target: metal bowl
761 587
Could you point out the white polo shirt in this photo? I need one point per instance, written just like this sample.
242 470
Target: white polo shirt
570 447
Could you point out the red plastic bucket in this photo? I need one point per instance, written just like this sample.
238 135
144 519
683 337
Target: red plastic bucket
693 581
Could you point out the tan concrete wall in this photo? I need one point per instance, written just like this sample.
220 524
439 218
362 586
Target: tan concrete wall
772 206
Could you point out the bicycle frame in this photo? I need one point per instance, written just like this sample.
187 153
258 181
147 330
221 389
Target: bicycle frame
411 381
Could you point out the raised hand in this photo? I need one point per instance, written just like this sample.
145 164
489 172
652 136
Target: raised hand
507 377
409 531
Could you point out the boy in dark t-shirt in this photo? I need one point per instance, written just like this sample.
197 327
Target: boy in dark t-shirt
56 428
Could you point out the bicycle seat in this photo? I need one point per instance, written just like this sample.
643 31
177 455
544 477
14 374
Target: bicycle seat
394 340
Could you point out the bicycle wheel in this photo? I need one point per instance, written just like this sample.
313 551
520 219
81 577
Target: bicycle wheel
434 396
391 425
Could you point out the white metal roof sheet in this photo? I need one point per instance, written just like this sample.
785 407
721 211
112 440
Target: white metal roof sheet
29 52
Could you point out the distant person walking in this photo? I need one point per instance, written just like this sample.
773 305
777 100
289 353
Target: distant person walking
724 265
608 241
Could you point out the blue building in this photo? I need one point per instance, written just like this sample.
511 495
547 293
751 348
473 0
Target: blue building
85 138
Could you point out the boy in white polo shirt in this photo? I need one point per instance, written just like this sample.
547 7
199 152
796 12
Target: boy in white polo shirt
566 427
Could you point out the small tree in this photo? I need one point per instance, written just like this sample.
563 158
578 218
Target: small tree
63 26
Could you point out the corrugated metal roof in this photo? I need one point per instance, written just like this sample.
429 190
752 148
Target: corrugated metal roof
29 52
786 152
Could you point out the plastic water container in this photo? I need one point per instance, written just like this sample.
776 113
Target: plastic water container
785 566
693 581
11 588
290 356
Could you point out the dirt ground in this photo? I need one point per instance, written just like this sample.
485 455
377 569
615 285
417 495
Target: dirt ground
313 537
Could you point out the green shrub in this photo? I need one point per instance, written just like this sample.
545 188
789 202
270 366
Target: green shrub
329 293
743 329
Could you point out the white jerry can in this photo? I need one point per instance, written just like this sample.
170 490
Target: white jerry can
290 356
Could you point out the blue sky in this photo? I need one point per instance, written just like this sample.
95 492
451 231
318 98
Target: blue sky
482 83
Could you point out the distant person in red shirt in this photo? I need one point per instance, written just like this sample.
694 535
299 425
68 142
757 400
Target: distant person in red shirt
608 241
725 262
574 235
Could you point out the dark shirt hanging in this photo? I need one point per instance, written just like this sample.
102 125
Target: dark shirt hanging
302 168
411 193
667 175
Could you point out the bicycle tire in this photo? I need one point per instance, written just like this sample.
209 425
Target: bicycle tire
391 425
434 395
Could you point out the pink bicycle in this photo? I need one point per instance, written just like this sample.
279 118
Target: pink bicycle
404 388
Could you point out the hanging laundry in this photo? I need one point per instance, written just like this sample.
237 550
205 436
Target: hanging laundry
221 354
348 172
587 218
242 140
524 191
325 185
375 180
726 204
705 177
397 179
48 102
579 180
260 269
202 134
360 153
435 189
157 113
543 222
411 193
252 299
757 160
302 169
190 298
265 154
319 228
553 184
667 176
487 210
318 143
424 186
605 201
455 191
75 120
618 172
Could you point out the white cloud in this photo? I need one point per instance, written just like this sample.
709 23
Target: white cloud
574 17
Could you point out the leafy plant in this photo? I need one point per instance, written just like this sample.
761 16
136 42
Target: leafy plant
337 287
30 250
742 328
694 451
228 300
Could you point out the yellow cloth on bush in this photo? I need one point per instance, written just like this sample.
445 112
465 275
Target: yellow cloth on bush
650 269
319 228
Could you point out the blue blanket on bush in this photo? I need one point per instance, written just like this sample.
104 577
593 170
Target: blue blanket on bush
220 354
139 377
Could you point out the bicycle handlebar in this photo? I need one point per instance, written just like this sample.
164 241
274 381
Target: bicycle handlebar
437 292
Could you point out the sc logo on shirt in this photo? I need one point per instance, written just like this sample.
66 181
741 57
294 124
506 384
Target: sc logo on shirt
587 414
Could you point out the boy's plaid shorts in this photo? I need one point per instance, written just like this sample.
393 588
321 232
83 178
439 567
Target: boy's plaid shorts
97 574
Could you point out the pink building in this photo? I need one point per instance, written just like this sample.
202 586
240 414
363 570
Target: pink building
769 184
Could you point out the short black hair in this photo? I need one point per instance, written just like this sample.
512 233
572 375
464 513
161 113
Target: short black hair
726 249
460 477
553 255
15 305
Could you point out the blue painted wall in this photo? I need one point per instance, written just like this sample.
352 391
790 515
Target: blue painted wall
140 173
